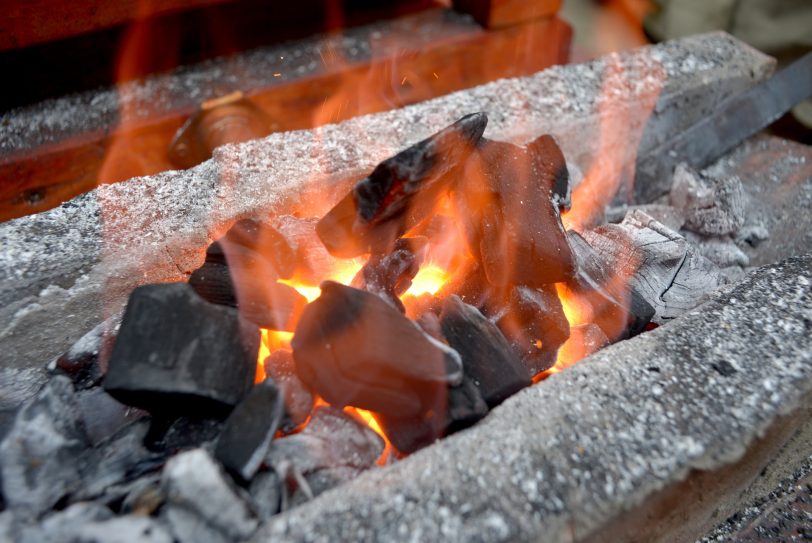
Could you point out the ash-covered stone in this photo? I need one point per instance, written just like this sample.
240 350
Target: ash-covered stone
199 491
41 455
353 348
249 429
178 354
712 206
559 460
298 399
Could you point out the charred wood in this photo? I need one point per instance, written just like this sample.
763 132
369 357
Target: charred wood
389 276
176 353
298 399
353 348
400 192
712 206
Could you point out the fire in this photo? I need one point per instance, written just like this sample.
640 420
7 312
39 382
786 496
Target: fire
369 419
429 280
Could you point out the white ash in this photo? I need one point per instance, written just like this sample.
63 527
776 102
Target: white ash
712 206
558 460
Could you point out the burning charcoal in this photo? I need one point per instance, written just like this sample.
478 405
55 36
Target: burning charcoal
40 456
516 228
584 340
266 494
249 429
465 406
212 282
102 416
487 357
197 490
299 401
712 205
613 304
248 241
86 361
177 353
391 275
400 191
353 442
534 323
550 167
353 348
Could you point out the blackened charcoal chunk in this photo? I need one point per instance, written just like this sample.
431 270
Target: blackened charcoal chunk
212 282
86 361
353 348
400 192
249 429
176 353
40 456
249 241
487 356
390 275
195 485
463 406
550 167
299 401
712 205
182 433
512 222
533 320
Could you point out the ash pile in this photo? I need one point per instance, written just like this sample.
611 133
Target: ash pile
212 405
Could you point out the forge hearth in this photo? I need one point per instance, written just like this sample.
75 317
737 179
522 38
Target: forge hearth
572 458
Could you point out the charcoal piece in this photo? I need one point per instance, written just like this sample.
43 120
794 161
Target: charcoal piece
390 275
400 192
176 353
487 356
188 526
117 460
670 216
471 285
550 167
298 399
86 361
351 440
142 496
512 222
253 240
266 494
212 282
614 303
183 433
258 296
102 415
40 456
249 429
533 321
712 205
465 406
323 480
195 484
353 348
721 250
584 340
313 261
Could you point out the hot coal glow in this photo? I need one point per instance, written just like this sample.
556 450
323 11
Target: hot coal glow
450 282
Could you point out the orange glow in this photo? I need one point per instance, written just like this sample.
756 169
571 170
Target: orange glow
370 420
428 280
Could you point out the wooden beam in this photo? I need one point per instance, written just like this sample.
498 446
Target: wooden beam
502 13
42 178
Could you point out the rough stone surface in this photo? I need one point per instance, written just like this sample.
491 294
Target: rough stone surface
81 260
615 428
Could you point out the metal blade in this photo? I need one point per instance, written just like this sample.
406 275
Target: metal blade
735 120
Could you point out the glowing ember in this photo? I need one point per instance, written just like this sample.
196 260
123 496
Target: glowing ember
428 280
